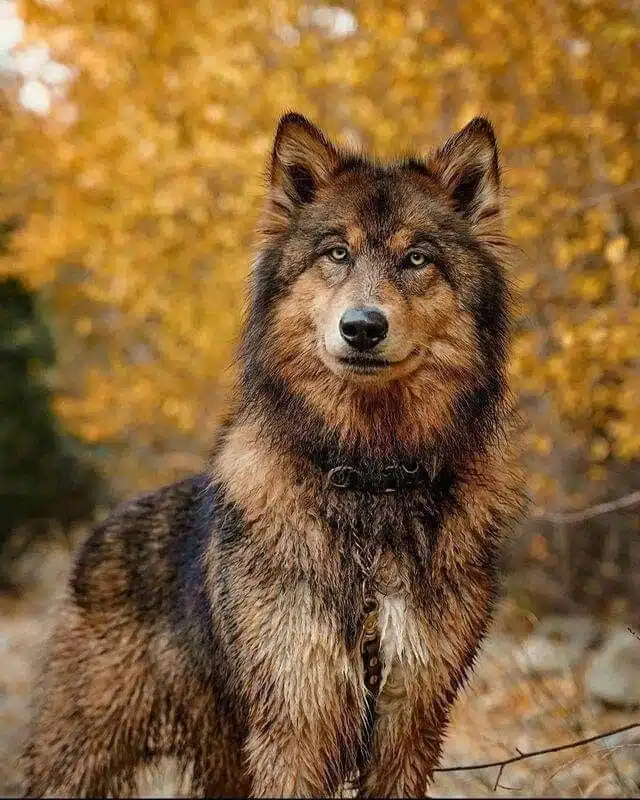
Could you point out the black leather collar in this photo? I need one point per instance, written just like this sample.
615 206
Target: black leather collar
391 478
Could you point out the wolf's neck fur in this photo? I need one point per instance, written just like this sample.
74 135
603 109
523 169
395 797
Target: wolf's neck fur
369 431
266 455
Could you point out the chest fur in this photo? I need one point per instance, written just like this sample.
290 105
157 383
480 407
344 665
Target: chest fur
402 643
391 629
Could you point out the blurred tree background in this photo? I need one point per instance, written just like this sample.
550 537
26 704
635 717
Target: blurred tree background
133 138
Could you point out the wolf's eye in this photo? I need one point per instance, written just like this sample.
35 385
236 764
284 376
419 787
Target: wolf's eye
416 259
338 253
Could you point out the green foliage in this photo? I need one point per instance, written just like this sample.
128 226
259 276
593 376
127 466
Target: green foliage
44 473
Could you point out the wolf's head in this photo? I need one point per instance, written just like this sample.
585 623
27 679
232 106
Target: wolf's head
378 315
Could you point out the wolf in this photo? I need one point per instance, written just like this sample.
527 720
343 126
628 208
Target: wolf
303 614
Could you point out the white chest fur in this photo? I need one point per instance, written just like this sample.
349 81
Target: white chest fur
392 624
402 640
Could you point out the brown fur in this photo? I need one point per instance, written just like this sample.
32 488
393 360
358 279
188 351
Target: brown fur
218 619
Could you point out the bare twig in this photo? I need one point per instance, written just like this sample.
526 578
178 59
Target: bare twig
561 517
497 783
522 756
598 198
578 759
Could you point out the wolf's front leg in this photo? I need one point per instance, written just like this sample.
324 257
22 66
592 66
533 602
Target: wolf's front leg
408 742
304 730
303 695
294 762
414 707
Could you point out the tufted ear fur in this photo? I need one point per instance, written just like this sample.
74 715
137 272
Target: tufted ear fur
468 168
301 161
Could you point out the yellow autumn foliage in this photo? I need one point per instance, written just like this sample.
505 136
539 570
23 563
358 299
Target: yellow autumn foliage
142 186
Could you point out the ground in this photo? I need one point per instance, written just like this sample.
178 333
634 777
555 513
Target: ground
504 710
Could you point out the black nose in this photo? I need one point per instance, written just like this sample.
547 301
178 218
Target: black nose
363 328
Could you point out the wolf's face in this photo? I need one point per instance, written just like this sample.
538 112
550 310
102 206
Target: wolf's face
381 279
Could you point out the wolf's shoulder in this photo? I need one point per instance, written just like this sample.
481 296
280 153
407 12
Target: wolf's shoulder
167 509
169 503
145 543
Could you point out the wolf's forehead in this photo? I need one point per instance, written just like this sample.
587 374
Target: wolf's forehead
383 209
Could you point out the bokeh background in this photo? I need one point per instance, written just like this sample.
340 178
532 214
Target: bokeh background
133 139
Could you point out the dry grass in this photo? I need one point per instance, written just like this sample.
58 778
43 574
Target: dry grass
503 710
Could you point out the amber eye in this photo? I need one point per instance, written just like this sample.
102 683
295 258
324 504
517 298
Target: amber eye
416 259
338 253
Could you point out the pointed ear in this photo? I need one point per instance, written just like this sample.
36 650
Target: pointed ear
302 160
467 166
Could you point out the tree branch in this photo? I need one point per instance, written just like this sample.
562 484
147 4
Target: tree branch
560 517
598 198
522 756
